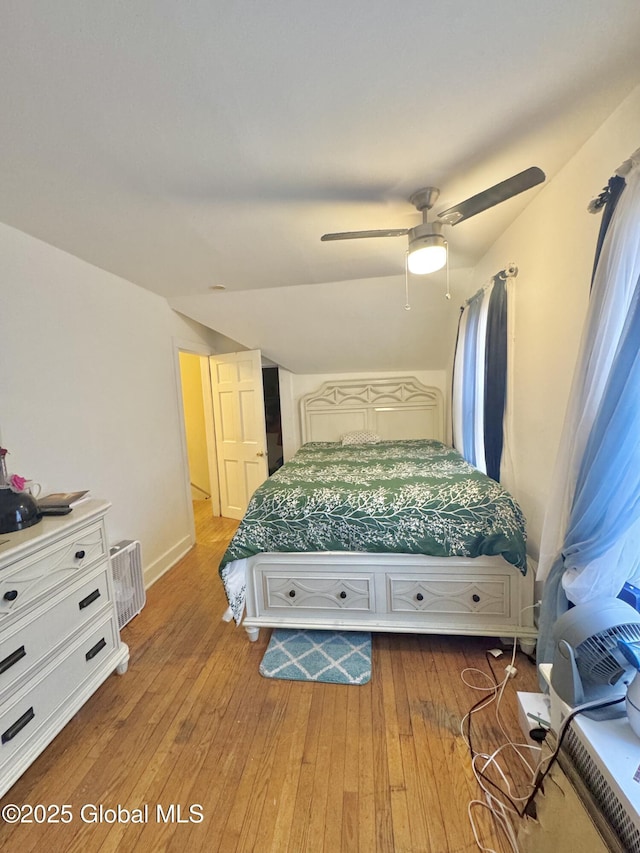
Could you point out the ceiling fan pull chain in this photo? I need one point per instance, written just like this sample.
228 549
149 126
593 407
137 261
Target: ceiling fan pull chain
448 293
407 306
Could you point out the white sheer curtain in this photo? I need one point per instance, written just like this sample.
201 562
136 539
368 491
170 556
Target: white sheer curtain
613 288
469 378
456 401
480 375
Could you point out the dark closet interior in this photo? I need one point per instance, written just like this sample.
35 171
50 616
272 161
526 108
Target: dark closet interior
271 388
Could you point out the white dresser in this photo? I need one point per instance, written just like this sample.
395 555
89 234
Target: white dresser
59 637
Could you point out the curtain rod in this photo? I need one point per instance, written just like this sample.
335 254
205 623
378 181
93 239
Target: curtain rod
596 204
510 271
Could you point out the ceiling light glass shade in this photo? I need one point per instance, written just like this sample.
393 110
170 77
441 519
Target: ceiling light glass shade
427 254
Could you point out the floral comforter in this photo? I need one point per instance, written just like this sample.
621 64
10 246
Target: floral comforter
409 497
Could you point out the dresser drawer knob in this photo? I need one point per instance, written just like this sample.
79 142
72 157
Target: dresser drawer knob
343 594
99 646
292 593
80 555
475 597
419 596
10 595
93 596
17 727
14 657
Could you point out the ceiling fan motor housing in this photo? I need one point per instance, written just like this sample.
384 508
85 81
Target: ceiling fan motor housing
425 229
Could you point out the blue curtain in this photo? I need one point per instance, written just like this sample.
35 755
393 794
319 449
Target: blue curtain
495 377
607 498
606 502
607 199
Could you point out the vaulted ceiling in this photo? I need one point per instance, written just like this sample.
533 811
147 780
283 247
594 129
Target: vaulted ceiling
191 145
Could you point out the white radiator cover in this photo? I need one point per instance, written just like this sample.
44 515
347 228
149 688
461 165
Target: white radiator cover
130 595
605 755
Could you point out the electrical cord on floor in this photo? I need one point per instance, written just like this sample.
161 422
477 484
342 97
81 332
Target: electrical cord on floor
589 706
499 800
530 658
497 691
484 702
502 810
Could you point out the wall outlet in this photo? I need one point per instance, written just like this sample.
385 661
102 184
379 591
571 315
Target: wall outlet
536 704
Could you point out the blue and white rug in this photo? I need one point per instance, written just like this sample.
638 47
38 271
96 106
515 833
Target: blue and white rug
339 657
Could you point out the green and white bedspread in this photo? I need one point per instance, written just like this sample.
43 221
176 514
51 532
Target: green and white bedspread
408 497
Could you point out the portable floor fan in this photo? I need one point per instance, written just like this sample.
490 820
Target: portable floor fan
589 663
427 247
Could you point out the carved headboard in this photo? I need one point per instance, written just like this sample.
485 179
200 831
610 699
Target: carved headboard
396 408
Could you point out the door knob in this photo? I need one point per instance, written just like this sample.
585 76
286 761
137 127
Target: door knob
260 453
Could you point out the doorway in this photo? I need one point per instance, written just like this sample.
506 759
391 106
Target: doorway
197 434
200 450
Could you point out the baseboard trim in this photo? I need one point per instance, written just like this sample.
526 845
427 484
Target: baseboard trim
166 561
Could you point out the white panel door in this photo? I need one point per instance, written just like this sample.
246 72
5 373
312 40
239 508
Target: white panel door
241 441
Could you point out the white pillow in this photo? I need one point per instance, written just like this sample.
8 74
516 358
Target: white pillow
360 436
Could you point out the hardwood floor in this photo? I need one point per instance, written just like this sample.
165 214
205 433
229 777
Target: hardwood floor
266 766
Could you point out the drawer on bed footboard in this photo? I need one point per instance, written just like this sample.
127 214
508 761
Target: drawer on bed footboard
317 593
487 596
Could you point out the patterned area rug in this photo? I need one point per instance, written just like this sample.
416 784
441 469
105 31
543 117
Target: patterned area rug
339 657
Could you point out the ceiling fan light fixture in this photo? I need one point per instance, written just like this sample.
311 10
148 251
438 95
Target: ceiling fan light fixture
427 254
427 250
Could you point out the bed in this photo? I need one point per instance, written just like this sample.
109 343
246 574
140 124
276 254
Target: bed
375 524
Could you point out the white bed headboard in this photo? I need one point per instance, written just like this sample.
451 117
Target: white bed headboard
396 408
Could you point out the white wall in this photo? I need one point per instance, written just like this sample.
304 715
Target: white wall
88 392
293 386
553 244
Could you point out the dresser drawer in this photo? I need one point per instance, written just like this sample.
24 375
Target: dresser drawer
477 597
318 593
32 578
23 717
38 635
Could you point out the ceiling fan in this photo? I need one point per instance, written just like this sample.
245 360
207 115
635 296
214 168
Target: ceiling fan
427 247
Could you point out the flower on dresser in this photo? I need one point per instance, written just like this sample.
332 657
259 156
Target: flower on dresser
17 482
13 481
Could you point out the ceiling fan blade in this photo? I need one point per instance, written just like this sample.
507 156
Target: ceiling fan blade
492 196
352 235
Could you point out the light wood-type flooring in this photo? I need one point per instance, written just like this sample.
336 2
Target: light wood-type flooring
225 760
